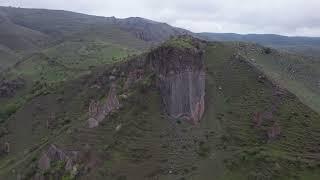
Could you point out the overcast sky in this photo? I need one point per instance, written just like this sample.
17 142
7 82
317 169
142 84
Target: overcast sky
287 17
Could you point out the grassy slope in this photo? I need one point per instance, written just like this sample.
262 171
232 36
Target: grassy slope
7 58
74 57
298 74
70 59
54 23
78 53
44 73
226 145
241 96
21 39
26 31
307 46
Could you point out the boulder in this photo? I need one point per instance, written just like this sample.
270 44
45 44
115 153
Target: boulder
44 162
93 123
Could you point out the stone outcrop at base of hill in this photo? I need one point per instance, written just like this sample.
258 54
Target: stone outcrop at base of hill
54 154
58 162
181 80
99 110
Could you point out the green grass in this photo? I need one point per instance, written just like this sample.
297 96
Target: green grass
298 74
241 96
70 60
7 58
180 42
225 145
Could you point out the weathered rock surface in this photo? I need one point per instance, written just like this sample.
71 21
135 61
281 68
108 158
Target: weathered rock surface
261 119
133 77
274 131
54 154
181 76
99 110
9 88
75 163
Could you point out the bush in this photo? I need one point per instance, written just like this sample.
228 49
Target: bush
204 150
267 50
67 177
8 110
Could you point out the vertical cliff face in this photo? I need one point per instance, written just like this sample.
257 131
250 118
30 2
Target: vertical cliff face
181 80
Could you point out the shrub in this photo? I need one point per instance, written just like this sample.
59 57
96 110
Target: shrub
204 150
267 50
9 110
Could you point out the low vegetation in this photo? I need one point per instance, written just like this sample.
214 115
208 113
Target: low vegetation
254 125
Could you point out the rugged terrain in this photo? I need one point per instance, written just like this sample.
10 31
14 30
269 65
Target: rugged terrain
228 121
86 97
51 46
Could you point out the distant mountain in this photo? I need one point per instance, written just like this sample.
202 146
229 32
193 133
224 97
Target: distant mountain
27 31
149 30
309 46
42 25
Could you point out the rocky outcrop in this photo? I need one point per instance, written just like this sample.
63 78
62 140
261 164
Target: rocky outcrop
181 80
99 110
274 131
179 72
9 87
56 162
4 148
266 118
54 154
133 77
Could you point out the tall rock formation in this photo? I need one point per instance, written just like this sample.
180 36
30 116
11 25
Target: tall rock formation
181 80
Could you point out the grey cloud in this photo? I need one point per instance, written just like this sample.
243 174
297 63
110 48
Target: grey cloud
288 17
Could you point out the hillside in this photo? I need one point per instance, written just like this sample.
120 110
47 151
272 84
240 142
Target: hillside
8 58
149 30
297 73
188 109
88 97
28 31
19 38
307 46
